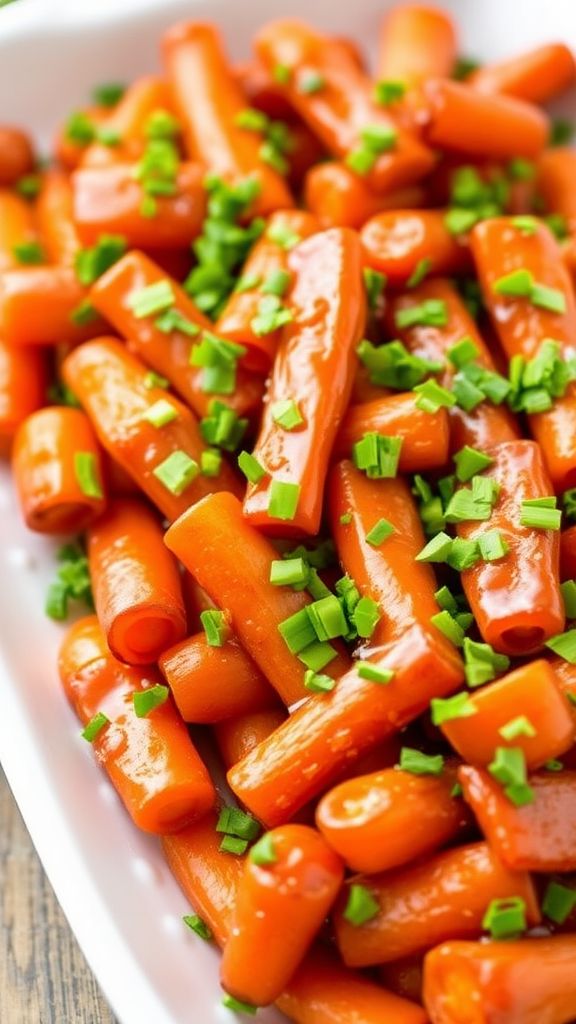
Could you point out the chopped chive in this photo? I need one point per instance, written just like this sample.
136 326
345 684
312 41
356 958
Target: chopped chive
430 313
276 283
252 120
459 220
327 618
215 627
436 550
432 396
263 852
464 507
392 365
360 905
517 284
559 902
365 617
492 545
505 918
146 701
148 207
271 316
463 352
235 822
463 554
317 655
561 132
346 518
281 73
377 455
417 763
366 670
379 138
161 413
246 283
389 91
485 489
230 844
84 313
446 600
558 225
374 282
297 631
310 82
516 727
87 474
197 925
421 270
540 517
283 500
176 472
450 708
108 94
155 298
237 1006
526 225
283 235
553 765
210 462
482 663
470 461
270 154
568 589
222 427
28 253
285 572
173 320
251 468
28 186
287 414
509 768
456 790
520 169
551 299
449 627
361 160
564 645
79 129
318 683
379 532
94 727
155 380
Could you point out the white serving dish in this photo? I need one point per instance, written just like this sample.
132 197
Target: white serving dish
114 887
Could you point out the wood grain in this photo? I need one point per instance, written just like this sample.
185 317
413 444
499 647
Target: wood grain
44 978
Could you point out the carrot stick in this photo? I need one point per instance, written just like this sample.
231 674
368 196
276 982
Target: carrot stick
556 170
539 836
16 155
535 76
516 599
208 876
416 42
341 199
167 353
128 120
23 383
484 425
267 257
397 241
236 737
442 898
568 553
528 980
425 435
322 991
209 100
108 200
236 576
566 679
320 739
296 885
530 691
380 821
210 684
135 582
57 470
16 226
38 307
55 218
328 299
386 572
262 91
341 110
150 760
462 119
112 387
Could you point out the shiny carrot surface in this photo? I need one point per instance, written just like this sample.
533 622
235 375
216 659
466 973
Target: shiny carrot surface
535 76
16 226
340 198
55 218
23 384
150 759
397 241
39 306
417 42
236 737
425 436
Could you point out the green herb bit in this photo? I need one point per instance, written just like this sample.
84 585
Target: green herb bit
161 413
146 701
108 94
517 727
198 926
310 82
155 298
559 902
94 727
236 1005
450 708
155 380
283 500
540 517
211 462
251 468
276 283
283 235
230 844
79 129
492 545
360 906
28 186
287 572
393 366
377 455
375 673
520 169
379 533
263 852
564 645
365 617
459 220
430 313
448 625
215 627
562 132
287 414
173 320
421 270
29 253
235 822
417 763
436 550
463 554
432 397
505 918
87 473
271 316
177 472
470 461
389 91
568 590
219 360
222 427
317 682
374 282
464 507
281 73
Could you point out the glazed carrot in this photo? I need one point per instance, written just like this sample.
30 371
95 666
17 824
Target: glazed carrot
322 991
444 897
236 737
535 76
208 876
23 383
380 821
108 200
16 226
539 836
120 485
267 257
314 368
55 218
530 691
236 576
528 981
568 553
566 679
112 387
212 683
150 760
425 435
306 151
387 572
38 307
57 470
556 170
128 121
340 198
416 42
196 601
404 977
516 599
68 150
484 425
16 155
167 353
397 241
340 111
262 91
462 119
208 101
135 582
296 885
320 739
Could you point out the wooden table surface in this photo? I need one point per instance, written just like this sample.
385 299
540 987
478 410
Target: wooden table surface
44 978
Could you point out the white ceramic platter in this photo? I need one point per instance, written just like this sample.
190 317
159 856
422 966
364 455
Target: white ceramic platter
112 882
